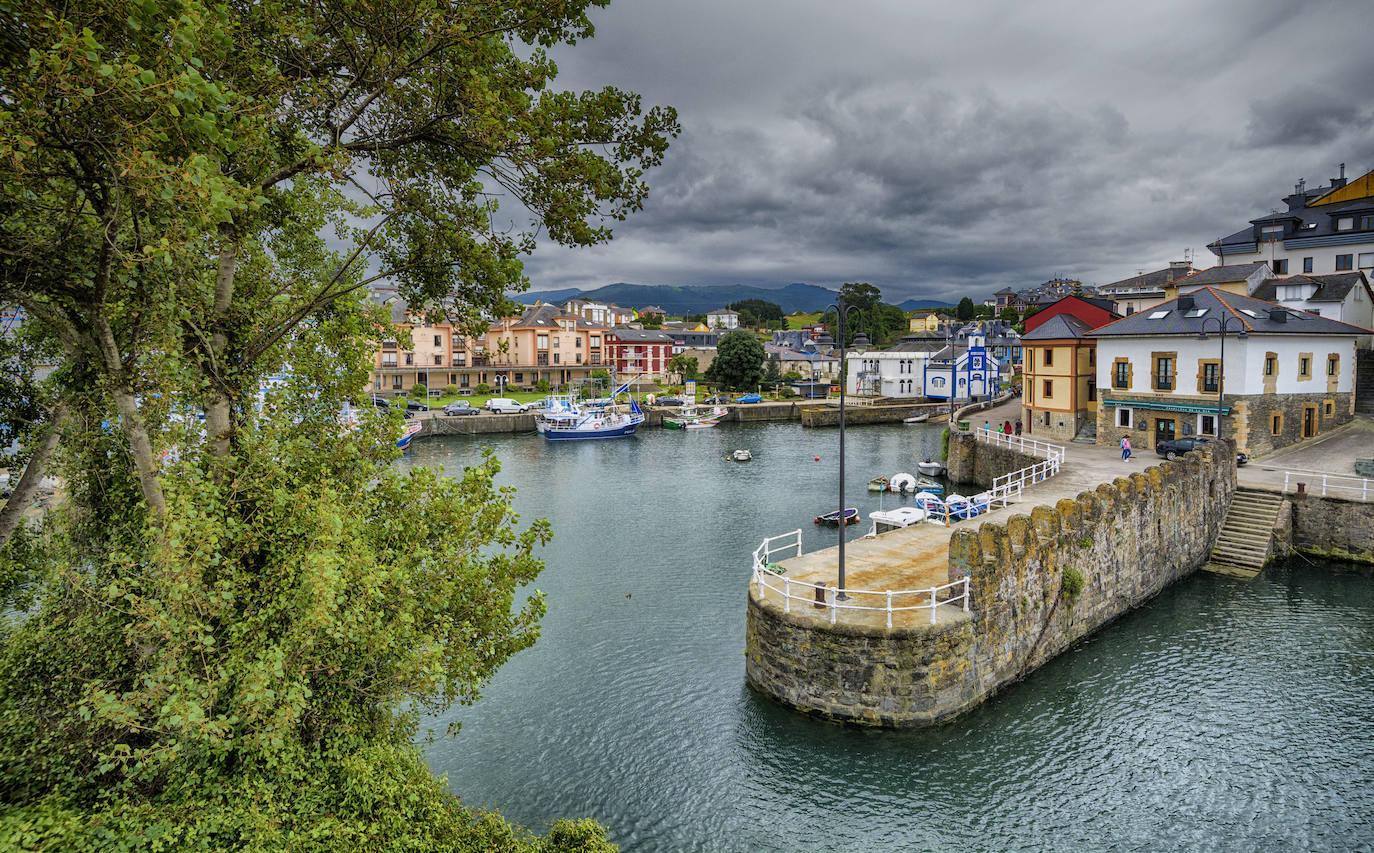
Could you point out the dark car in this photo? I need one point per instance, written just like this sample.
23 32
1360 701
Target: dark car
461 407
1175 447
717 399
667 401
381 402
416 406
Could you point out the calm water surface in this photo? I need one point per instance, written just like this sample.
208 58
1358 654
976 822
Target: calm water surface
1223 715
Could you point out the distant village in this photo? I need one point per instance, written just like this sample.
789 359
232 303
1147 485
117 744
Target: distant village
1288 306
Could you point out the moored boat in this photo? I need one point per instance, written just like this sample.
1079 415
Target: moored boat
690 417
591 420
741 456
930 467
851 516
903 484
878 484
408 432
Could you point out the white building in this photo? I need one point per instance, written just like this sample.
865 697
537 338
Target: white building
1290 377
603 313
887 373
723 318
1341 296
1324 230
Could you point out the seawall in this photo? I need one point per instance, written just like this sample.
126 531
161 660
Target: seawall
972 461
1334 528
1038 583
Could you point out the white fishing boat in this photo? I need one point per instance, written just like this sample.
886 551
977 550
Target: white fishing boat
692 417
741 456
930 467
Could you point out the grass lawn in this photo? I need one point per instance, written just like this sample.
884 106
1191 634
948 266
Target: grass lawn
796 321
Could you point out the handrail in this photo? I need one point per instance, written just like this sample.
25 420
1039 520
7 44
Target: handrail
782 585
1024 443
1361 488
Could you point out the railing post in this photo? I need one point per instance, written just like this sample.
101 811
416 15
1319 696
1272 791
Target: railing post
889 608
786 595
834 606
965 593
932 605
1323 485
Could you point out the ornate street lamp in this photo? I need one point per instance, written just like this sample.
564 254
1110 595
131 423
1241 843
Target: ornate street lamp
1223 324
860 340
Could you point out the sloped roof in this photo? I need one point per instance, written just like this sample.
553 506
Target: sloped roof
1058 327
1220 274
1358 189
1240 312
1334 287
1154 278
641 336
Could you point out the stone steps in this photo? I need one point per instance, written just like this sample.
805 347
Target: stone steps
1242 546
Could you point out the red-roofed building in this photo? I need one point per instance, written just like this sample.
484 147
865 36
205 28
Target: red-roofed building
1091 310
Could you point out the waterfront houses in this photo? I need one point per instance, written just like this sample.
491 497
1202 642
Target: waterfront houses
722 318
1059 385
642 353
1287 376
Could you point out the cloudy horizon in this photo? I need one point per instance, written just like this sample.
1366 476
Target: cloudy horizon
939 152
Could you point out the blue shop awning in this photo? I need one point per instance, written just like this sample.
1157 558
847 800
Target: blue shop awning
1162 406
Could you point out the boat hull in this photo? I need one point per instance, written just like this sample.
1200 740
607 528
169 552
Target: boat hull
588 433
930 469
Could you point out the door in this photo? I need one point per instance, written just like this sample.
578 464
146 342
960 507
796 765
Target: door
1164 430
1309 419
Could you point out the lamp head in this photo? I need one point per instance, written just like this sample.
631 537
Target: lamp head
861 340
825 340
1202 335
1242 335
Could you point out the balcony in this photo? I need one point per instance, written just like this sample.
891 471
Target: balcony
542 360
459 361
1164 382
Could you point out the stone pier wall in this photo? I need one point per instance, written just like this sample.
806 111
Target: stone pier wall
1335 528
829 416
1038 583
974 461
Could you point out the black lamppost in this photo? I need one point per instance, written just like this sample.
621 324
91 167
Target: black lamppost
860 340
1223 324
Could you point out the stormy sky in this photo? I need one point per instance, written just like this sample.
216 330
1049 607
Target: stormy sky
947 149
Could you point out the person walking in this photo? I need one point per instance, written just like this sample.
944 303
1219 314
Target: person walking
1006 428
1125 448
1018 426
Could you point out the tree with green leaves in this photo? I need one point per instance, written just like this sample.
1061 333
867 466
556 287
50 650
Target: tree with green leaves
228 632
685 366
759 313
738 364
966 310
1010 316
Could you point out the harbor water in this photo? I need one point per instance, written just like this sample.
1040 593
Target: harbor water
1221 715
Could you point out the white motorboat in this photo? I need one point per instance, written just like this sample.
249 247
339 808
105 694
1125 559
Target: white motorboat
930 467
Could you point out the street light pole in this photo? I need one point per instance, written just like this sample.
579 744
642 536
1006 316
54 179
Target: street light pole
1223 324
841 316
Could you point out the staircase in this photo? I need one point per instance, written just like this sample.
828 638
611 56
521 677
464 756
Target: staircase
1364 382
1088 433
1242 546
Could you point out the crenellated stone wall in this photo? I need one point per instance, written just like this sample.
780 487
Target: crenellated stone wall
1038 584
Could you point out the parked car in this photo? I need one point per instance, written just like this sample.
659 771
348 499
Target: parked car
1176 447
504 406
538 405
716 399
381 402
667 401
416 406
749 398
461 407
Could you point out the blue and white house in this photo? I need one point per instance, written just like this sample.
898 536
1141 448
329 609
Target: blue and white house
959 374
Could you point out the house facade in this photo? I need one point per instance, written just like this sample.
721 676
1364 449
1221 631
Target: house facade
640 352
1341 296
887 373
1289 378
1145 290
961 372
601 313
722 318
1059 385
1323 230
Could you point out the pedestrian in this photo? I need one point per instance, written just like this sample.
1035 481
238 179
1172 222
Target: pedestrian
986 428
1006 428
1018 426
1125 448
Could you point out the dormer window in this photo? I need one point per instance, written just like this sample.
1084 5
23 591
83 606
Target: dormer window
1345 223
1271 232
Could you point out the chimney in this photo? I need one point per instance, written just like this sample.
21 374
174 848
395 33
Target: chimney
1185 302
1278 315
1337 183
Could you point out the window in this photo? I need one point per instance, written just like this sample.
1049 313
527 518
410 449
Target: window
577 342
1344 262
438 340
1210 372
1367 222
388 359
1207 425
1164 374
438 359
1197 312
410 358
1366 260
1269 364
555 358
1158 315
1121 376
1049 387
1333 365
1330 408
396 381
1271 232
1307 265
542 341
1304 366
1049 356
1276 425
1281 267
1123 418
555 343
1345 223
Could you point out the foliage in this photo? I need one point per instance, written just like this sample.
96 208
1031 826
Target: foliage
965 310
772 372
481 388
1030 312
234 629
882 323
542 386
420 390
1072 583
982 312
695 318
685 366
1009 316
944 444
759 313
738 364
451 390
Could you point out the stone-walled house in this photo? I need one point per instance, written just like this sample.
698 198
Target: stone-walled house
1059 386
1287 376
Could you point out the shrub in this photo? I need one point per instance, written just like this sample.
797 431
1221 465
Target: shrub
542 386
420 390
450 390
1073 582
482 388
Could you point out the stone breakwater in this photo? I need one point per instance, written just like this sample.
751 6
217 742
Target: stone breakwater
1038 584
974 461
1333 527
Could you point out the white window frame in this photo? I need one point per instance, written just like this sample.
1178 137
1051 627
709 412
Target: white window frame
1198 428
1127 419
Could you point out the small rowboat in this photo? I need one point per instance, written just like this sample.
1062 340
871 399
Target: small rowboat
741 456
851 516
878 484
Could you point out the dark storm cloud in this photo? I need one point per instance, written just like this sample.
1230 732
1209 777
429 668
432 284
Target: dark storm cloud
937 151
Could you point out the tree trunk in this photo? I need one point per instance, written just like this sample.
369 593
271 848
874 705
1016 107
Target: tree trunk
27 486
219 426
141 448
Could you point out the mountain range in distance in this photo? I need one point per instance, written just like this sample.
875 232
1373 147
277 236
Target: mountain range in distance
678 300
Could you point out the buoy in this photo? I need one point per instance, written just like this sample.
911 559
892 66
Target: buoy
818 458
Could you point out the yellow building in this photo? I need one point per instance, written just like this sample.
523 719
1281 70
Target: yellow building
1059 389
1240 279
928 323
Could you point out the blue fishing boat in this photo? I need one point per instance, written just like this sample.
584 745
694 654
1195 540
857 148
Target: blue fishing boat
581 422
851 516
407 433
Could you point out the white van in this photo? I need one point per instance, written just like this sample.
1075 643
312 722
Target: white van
503 406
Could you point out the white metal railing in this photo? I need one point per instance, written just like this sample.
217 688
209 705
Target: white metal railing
1023 443
763 555
1015 481
823 596
1355 488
